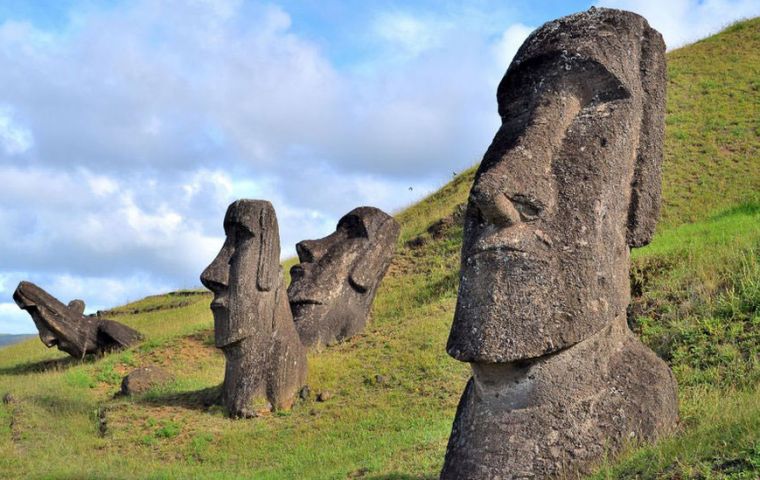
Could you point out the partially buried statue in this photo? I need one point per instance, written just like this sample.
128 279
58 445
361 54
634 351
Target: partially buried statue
66 326
333 287
252 321
569 184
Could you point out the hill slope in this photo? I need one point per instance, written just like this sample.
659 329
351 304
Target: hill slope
696 302
10 339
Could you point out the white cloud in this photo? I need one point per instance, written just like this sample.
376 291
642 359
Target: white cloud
101 185
134 126
14 320
510 41
684 21
14 138
410 35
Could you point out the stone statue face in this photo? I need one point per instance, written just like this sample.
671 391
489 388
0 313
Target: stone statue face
66 326
252 321
338 274
58 325
560 196
246 270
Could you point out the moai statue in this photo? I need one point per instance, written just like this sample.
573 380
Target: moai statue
252 321
569 184
333 287
66 326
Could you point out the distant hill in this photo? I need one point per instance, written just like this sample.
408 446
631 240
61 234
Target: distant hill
394 390
10 339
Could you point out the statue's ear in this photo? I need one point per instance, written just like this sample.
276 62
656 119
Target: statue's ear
371 266
269 251
646 187
77 306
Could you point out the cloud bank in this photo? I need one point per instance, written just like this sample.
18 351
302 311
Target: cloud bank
126 131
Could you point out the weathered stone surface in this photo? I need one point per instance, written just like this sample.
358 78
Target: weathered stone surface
333 287
571 180
569 184
253 324
67 328
143 379
559 414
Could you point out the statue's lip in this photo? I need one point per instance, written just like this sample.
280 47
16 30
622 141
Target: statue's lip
219 304
297 270
305 301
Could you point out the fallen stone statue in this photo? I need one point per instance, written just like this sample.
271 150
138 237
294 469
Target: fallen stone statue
570 183
252 321
66 326
332 289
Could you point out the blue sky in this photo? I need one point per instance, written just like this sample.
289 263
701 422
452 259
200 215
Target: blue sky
126 128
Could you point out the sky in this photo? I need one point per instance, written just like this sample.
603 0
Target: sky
127 127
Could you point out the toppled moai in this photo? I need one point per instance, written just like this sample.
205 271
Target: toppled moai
332 289
66 326
569 184
252 321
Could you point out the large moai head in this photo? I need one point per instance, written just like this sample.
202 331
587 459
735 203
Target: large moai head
333 287
66 326
569 184
246 273
252 322
59 325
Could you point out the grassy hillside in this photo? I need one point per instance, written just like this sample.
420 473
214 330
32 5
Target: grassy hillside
712 144
394 390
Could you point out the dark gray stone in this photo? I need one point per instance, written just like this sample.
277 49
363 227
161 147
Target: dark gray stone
553 208
569 184
143 379
253 324
333 287
558 415
305 393
67 328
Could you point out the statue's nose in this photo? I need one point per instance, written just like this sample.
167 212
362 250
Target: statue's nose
309 250
216 276
494 206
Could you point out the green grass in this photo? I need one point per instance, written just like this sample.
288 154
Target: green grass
696 302
712 134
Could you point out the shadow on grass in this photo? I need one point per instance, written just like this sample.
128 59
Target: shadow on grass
55 365
56 405
401 476
202 399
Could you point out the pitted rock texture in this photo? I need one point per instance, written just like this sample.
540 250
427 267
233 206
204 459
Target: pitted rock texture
558 415
66 326
253 324
569 184
333 287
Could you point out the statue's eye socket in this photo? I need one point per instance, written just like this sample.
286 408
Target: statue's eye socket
245 234
353 226
528 210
